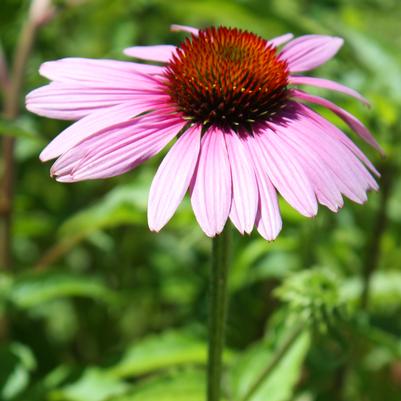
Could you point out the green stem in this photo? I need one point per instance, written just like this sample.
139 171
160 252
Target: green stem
218 311
274 361
373 252
12 95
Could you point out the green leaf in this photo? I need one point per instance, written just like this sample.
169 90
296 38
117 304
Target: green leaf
34 289
180 386
15 129
280 383
17 362
173 348
93 385
374 55
384 290
122 205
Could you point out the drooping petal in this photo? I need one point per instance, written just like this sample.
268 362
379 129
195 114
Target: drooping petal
71 102
321 178
173 178
349 174
118 74
184 28
327 84
310 51
244 187
351 120
286 174
114 152
211 184
162 53
280 40
268 219
337 134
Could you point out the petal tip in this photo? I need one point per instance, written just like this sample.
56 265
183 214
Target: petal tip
43 156
154 228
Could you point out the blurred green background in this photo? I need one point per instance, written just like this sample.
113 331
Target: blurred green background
95 307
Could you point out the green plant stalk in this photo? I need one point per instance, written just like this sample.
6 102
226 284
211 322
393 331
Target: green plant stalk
373 248
13 84
218 300
275 360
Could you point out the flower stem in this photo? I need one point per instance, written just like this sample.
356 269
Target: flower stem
218 311
275 360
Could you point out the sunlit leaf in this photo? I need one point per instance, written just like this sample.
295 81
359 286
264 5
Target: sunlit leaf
93 385
34 289
157 352
17 363
280 383
181 386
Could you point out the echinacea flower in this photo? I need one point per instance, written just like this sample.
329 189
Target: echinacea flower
243 131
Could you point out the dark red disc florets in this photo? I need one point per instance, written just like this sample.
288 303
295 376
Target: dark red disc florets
227 77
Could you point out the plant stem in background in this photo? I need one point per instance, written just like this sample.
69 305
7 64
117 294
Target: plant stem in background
40 12
275 360
379 227
218 311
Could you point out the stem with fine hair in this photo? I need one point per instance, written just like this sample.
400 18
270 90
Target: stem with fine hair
218 300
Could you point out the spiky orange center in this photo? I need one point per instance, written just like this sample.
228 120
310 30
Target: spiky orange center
227 77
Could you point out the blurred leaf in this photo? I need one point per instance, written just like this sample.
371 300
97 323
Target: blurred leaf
384 290
279 385
173 348
180 386
34 289
17 363
93 385
122 205
260 260
230 14
16 130
374 55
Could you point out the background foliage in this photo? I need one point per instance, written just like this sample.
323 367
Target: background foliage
96 308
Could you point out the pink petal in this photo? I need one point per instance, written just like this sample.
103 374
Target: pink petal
352 121
327 84
280 40
336 133
268 219
310 51
320 177
286 174
162 53
71 102
184 28
211 184
114 152
108 72
351 177
100 120
172 178
244 187
101 144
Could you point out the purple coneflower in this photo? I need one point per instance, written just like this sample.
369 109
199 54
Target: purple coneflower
242 130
